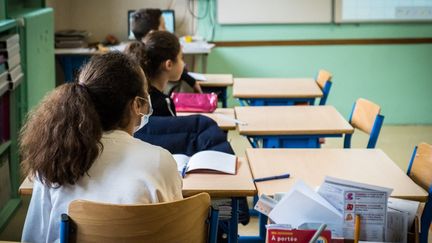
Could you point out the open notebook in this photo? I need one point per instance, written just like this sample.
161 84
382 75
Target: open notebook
206 160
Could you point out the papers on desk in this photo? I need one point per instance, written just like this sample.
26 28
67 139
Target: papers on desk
230 119
352 198
304 205
121 47
196 47
198 76
336 204
400 216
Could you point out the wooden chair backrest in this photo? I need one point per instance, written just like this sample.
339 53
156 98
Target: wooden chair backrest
323 77
178 221
421 168
364 114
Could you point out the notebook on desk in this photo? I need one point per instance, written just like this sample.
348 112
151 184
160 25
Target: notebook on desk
207 161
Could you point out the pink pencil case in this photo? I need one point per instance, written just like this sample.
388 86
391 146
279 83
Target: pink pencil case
193 102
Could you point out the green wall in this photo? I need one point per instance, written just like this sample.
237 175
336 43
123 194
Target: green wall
398 77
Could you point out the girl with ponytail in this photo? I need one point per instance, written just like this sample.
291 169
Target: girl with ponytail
78 144
161 58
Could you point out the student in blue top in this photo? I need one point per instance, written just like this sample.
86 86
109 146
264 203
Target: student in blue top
146 20
160 56
78 144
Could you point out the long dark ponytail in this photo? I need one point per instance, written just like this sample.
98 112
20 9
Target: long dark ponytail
61 138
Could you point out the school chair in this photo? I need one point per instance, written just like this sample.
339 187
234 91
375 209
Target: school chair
187 220
420 171
366 117
323 80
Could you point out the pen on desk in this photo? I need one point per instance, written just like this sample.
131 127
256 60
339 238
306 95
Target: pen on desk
357 228
317 233
283 176
227 118
184 171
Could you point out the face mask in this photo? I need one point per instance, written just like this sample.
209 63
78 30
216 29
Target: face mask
145 117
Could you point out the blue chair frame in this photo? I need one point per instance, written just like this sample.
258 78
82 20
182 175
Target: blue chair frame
326 91
426 217
373 137
66 231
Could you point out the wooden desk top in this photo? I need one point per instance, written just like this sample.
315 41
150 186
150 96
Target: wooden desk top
217 185
188 48
77 51
26 187
291 120
217 80
221 185
276 88
370 166
222 116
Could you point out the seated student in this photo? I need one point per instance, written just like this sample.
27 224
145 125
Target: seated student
146 20
78 144
160 57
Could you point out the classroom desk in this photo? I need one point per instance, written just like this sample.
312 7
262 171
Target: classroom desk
217 185
276 91
371 166
217 83
290 126
71 59
224 117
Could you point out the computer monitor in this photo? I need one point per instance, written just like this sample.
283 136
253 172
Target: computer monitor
167 14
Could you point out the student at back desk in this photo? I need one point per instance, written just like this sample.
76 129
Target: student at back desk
146 20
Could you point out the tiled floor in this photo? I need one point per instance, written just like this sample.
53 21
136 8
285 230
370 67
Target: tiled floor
397 141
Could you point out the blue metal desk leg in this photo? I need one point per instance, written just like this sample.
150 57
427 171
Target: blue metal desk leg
233 232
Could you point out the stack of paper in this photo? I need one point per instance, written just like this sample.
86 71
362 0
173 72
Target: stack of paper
350 199
400 216
304 205
336 204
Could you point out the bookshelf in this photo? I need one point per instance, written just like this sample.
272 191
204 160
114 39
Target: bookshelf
9 160
35 26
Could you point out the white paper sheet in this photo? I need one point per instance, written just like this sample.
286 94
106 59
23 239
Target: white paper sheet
198 76
408 206
397 226
303 205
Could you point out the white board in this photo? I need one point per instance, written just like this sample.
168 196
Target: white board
274 11
355 11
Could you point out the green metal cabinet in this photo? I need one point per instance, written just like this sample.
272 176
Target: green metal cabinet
39 59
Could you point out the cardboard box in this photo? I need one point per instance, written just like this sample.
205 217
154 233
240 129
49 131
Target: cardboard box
295 235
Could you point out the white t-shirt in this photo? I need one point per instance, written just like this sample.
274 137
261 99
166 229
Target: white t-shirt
127 171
